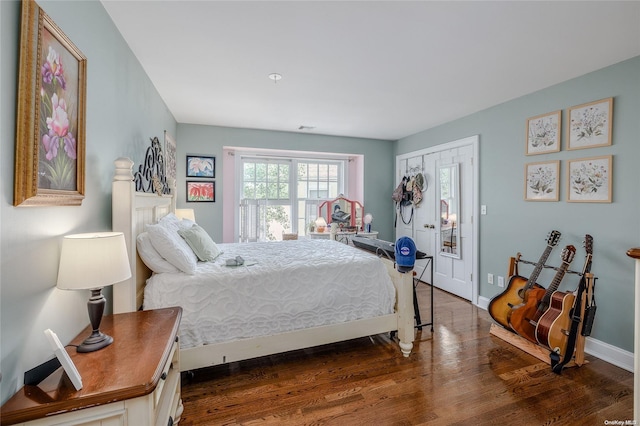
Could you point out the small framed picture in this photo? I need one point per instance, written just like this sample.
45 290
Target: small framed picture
64 358
541 181
201 166
589 180
590 124
201 191
543 133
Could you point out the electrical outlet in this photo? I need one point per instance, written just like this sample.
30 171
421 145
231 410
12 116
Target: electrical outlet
483 209
490 278
500 281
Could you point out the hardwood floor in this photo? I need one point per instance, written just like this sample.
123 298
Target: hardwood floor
460 374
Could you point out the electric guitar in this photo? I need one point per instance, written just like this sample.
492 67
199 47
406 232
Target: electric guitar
523 318
554 325
513 295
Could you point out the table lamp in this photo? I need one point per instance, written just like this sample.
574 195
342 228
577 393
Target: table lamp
90 262
186 214
321 224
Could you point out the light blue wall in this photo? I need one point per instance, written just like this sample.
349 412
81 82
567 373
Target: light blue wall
379 163
513 225
123 111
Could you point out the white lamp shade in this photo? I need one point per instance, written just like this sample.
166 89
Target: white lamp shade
186 214
94 260
321 222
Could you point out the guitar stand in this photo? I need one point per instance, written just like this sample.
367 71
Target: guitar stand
541 352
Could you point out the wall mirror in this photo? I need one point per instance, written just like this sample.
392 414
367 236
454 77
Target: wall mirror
449 189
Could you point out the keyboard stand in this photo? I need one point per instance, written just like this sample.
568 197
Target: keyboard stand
416 281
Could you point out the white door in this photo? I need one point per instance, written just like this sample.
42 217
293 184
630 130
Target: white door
451 273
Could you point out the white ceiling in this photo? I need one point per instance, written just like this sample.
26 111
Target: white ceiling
374 69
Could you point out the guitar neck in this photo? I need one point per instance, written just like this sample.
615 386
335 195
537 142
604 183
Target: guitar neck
538 268
555 283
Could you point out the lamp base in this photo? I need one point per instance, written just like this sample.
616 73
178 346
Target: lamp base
96 341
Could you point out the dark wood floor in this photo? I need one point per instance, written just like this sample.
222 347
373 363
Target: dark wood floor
460 374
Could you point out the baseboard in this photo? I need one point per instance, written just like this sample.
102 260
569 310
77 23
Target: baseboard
604 351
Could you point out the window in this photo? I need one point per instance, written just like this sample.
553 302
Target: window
268 205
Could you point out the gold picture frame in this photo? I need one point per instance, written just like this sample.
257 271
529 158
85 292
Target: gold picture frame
542 181
50 128
590 125
589 180
543 133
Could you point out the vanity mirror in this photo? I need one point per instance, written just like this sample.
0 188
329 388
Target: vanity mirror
449 194
348 214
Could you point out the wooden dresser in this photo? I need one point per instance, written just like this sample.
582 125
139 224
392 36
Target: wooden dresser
133 381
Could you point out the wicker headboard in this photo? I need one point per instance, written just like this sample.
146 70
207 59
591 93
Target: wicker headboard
131 211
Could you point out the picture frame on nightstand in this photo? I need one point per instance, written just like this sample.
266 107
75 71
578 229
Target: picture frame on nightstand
64 358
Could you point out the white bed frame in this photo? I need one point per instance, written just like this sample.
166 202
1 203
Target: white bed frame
133 210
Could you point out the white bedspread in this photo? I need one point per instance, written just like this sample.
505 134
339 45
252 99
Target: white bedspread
294 284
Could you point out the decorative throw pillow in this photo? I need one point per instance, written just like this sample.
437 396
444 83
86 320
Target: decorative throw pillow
172 248
200 242
151 257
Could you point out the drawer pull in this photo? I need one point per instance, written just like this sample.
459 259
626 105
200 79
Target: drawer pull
164 376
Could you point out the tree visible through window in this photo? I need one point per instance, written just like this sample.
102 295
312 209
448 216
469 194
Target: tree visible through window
268 206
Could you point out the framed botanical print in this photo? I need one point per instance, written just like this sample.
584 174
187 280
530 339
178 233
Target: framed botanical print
50 130
543 133
541 181
589 180
590 124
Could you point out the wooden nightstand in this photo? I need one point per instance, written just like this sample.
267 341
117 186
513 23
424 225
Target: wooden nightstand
133 381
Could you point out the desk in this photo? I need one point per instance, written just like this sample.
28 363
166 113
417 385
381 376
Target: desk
343 236
416 281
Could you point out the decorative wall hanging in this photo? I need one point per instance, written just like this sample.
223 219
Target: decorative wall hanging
170 156
150 176
543 133
201 166
589 180
50 130
590 124
201 191
541 182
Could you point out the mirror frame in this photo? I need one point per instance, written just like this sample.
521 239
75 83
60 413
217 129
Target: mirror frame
447 225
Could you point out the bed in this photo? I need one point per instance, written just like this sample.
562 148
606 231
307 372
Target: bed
361 305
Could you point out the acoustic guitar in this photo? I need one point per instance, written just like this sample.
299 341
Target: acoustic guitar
523 318
513 295
554 325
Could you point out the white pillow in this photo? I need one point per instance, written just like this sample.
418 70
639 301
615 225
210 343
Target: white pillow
172 248
200 242
151 257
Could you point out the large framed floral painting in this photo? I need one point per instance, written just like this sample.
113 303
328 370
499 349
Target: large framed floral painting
201 191
50 130
543 133
541 181
589 180
590 124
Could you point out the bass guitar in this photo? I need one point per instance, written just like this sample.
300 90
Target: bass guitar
554 325
523 318
513 295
